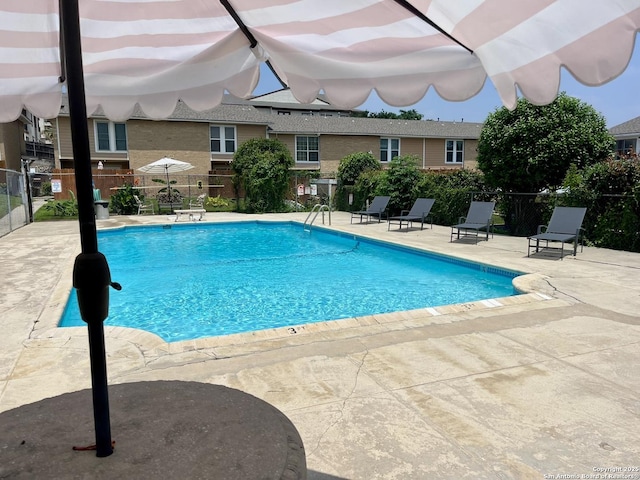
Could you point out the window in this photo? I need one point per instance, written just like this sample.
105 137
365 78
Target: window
455 151
625 147
307 149
389 149
110 137
223 139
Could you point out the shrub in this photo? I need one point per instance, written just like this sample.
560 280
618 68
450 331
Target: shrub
216 202
611 192
368 185
122 202
45 189
63 208
402 180
349 170
452 193
261 166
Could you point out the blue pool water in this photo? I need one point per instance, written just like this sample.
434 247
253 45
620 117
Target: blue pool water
193 280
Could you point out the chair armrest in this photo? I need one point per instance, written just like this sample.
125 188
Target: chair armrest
462 219
540 229
404 212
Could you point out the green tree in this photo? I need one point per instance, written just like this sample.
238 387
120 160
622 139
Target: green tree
403 176
261 167
349 170
410 115
383 114
531 148
403 115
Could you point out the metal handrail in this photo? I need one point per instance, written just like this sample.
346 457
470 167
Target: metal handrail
317 208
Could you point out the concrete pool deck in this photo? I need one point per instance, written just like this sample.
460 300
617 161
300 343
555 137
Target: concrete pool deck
545 383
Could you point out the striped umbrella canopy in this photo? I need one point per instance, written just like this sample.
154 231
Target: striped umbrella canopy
115 54
154 52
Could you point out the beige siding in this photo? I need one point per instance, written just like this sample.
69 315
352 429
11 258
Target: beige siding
190 141
243 133
471 154
63 148
334 148
12 144
289 141
435 153
247 132
185 141
412 146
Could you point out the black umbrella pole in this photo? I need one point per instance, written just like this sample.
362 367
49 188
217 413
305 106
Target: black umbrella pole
101 419
91 275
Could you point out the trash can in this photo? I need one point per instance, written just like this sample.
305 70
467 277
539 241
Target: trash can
102 209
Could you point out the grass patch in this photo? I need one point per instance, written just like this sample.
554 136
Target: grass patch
42 215
57 210
14 201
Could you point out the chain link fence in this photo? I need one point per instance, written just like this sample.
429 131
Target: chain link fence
612 220
14 212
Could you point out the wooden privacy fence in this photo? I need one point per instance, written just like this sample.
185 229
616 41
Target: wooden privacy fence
63 181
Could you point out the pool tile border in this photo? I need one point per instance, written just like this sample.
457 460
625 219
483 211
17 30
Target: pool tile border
150 342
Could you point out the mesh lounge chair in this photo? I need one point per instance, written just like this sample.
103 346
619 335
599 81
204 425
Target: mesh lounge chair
419 213
377 208
143 206
478 218
565 226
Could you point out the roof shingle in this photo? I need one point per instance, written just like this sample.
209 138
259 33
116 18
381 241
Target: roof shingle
240 112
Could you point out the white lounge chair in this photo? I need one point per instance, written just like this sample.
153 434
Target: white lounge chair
198 202
144 206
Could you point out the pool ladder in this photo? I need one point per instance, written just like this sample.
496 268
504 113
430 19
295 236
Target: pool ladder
317 208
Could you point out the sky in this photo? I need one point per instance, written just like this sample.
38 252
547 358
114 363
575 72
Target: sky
618 100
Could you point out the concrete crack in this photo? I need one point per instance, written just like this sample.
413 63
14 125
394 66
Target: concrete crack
342 406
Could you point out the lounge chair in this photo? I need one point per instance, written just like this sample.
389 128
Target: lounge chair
419 213
478 218
143 206
198 202
565 226
378 208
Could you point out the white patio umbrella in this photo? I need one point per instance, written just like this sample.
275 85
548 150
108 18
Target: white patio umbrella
166 165
118 53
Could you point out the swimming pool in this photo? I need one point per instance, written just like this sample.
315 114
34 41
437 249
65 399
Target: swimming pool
199 280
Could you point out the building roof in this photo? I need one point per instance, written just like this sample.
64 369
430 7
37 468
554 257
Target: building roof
630 127
284 99
239 111
373 126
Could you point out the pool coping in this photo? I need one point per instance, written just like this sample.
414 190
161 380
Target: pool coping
530 286
542 387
